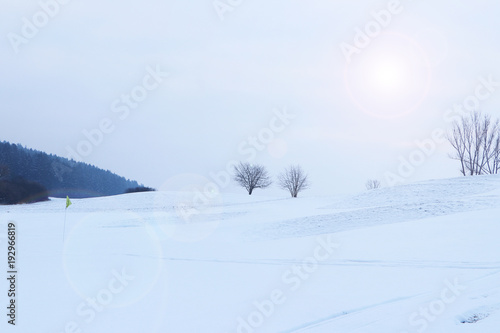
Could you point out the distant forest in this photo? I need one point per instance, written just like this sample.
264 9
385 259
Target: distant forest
60 176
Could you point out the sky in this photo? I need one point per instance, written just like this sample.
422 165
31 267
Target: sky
171 93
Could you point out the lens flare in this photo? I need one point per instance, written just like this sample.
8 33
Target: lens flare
390 78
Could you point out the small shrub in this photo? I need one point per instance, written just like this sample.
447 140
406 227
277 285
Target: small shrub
139 189
373 184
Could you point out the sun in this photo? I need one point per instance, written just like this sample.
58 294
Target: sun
388 75
390 78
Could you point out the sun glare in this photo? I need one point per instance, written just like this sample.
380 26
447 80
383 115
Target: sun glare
389 78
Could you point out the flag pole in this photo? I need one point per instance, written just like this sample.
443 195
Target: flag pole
64 228
68 203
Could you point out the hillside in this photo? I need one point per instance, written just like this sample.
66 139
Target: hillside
414 258
58 175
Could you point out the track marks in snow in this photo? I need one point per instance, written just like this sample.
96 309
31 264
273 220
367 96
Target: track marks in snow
359 263
346 314
469 317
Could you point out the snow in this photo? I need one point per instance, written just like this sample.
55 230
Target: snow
422 257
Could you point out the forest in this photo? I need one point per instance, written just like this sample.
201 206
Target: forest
59 176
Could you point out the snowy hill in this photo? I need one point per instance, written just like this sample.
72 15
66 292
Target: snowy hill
416 258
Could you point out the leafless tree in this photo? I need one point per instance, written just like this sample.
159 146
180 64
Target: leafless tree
251 176
476 141
293 179
372 184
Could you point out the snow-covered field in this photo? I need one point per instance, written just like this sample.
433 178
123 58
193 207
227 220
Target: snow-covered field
423 257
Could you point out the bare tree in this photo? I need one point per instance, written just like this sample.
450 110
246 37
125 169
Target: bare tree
476 141
491 147
495 156
372 184
457 139
294 180
251 176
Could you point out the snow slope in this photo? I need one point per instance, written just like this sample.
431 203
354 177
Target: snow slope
423 257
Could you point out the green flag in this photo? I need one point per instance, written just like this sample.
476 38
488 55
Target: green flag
68 202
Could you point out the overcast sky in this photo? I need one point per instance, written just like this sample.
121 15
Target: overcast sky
344 88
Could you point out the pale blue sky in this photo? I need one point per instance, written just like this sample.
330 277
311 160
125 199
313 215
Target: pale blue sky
226 78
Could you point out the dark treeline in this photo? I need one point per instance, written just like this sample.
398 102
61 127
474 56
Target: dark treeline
139 189
58 175
17 191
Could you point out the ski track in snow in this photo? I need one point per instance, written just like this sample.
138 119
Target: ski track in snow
345 314
485 310
358 263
